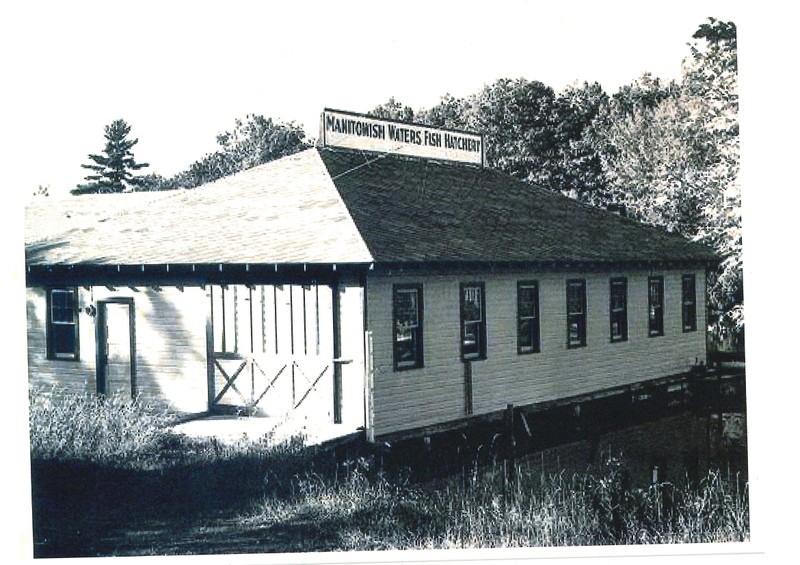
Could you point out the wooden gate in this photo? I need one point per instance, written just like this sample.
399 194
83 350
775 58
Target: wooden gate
272 350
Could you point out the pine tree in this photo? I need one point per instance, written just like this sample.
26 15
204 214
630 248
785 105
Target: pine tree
114 168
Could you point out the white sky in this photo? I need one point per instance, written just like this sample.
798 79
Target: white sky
181 72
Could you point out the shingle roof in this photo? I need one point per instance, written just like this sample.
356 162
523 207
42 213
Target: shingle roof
285 211
414 210
326 206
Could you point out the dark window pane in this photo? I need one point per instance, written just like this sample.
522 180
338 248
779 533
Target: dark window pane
473 323
407 306
527 302
524 328
574 300
62 306
655 306
575 331
688 302
406 311
472 304
527 317
63 339
62 324
471 345
576 313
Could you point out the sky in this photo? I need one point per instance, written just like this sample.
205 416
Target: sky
182 72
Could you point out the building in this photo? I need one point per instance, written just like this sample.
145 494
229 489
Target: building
384 280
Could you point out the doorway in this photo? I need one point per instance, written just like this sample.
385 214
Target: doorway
116 347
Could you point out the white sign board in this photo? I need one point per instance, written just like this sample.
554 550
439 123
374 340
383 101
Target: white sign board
357 131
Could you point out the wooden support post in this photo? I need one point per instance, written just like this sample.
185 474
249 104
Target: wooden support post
252 352
210 350
337 353
369 414
511 443
468 388
291 344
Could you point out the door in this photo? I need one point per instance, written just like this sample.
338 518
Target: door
116 348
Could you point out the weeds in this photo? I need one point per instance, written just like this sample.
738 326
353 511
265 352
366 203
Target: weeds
89 427
291 498
371 511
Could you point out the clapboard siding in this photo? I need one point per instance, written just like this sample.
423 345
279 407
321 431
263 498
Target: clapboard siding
170 345
73 376
435 393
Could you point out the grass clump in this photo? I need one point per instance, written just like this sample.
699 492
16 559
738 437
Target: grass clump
109 430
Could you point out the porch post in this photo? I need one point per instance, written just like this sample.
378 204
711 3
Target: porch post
210 349
336 306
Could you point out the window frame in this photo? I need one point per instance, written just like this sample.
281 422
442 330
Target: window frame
417 332
581 316
659 314
51 326
481 325
689 307
621 314
535 331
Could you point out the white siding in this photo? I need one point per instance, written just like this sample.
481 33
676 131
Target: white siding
436 393
170 345
74 376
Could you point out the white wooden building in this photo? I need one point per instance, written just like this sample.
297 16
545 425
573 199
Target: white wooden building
384 280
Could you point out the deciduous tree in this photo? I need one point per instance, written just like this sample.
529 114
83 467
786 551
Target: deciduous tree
253 141
670 154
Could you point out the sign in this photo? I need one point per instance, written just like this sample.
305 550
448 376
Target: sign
357 131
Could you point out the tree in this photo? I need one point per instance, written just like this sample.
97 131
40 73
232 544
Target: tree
253 141
535 134
518 119
114 168
711 78
578 171
670 154
42 191
393 110
450 112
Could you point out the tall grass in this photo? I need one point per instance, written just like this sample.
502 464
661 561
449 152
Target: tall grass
110 430
534 510
301 499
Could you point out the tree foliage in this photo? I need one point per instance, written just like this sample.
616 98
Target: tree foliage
253 141
670 154
450 112
393 110
531 132
518 120
113 169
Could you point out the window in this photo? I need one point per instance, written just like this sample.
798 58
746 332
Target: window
688 303
576 313
618 309
655 306
527 317
407 314
473 321
62 324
